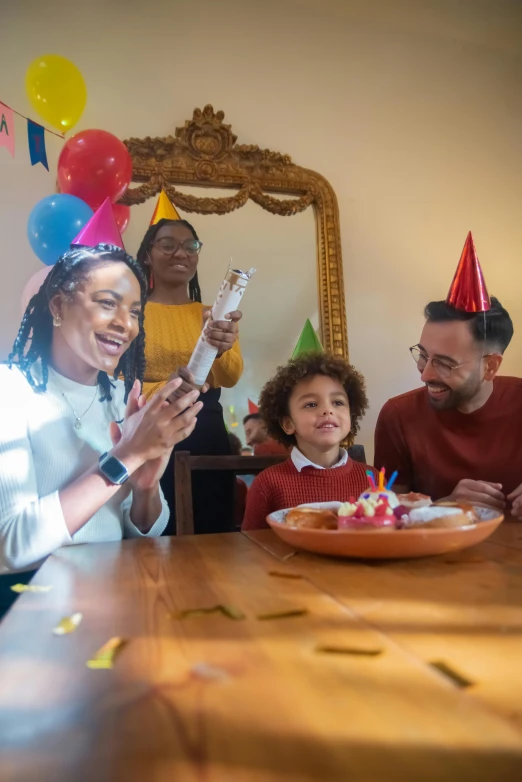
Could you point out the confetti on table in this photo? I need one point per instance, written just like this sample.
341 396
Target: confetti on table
68 624
282 574
30 588
283 614
105 656
448 671
206 671
232 612
227 610
352 650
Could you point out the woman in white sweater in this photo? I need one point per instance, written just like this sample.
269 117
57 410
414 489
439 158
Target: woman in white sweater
81 454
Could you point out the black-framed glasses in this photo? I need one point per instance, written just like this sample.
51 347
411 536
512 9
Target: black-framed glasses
169 247
442 368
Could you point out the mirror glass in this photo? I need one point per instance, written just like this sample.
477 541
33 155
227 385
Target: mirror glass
280 296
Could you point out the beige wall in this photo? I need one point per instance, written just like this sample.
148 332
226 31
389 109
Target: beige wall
411 109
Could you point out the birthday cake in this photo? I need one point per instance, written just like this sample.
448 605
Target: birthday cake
380 508
367 512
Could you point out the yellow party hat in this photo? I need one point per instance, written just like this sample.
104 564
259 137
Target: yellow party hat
164 210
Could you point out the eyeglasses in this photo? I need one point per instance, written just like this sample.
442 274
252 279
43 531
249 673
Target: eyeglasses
168 247
441 367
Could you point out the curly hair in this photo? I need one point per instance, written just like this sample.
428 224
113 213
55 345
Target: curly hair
275 396
34 338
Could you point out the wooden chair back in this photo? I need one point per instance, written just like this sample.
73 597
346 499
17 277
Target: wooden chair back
184 463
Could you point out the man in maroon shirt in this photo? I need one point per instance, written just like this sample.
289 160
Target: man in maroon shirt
257 437
460 436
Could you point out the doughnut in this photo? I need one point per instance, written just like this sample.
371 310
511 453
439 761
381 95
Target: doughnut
443 516
311 518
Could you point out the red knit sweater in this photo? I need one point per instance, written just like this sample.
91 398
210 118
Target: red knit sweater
283 486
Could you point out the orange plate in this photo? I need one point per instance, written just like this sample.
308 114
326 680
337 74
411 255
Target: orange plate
384 544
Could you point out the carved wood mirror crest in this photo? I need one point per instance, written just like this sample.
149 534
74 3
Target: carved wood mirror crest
204 153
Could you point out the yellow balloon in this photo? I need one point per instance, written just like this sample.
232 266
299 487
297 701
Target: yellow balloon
56 90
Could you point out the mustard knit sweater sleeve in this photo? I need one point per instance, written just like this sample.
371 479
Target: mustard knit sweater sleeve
171 333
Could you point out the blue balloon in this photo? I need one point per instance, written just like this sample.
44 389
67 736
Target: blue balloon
53 224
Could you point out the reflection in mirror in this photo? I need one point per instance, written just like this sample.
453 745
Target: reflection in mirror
281 295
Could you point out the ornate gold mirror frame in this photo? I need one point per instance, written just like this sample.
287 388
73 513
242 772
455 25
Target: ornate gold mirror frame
204 153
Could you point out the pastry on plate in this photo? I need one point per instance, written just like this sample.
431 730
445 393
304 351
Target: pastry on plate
443 516
311 518
414 500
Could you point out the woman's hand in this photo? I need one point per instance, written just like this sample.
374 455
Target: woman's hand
222 334
148 475
152 428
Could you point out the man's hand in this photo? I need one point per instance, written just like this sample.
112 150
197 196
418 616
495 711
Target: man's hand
516 499
479 493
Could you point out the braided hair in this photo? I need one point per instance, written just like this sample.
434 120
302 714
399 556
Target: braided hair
34 338
193 287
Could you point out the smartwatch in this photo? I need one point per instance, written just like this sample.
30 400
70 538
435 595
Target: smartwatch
112 469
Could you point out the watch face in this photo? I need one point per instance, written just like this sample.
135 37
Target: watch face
114 470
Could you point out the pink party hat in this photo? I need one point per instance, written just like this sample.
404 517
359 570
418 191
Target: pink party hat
101 228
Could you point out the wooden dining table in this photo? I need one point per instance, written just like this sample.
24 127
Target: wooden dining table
312 669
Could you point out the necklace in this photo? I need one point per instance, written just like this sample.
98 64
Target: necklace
78 418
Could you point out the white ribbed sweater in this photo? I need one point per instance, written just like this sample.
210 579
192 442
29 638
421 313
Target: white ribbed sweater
40 453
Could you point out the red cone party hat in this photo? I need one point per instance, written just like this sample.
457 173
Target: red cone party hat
101 228
468 290
252 408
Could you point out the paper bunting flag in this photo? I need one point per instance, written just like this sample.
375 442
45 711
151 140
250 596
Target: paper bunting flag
468 290
308 342
101 228
36 139
7 129
252 408
164 210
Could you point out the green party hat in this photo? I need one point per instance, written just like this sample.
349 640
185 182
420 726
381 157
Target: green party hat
308 342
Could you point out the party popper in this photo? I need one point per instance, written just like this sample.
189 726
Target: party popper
228 300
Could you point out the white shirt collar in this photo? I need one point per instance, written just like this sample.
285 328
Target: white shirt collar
300 460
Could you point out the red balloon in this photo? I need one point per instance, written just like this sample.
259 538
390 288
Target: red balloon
94 165
122 216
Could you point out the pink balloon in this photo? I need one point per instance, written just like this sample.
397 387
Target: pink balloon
33 285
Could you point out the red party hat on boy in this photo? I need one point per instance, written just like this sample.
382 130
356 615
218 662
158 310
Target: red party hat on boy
468 290
102 228
252 408
164 210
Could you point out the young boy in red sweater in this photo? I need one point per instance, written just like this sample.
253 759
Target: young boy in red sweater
313 404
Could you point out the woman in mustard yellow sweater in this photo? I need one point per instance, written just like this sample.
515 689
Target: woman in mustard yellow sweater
174 317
